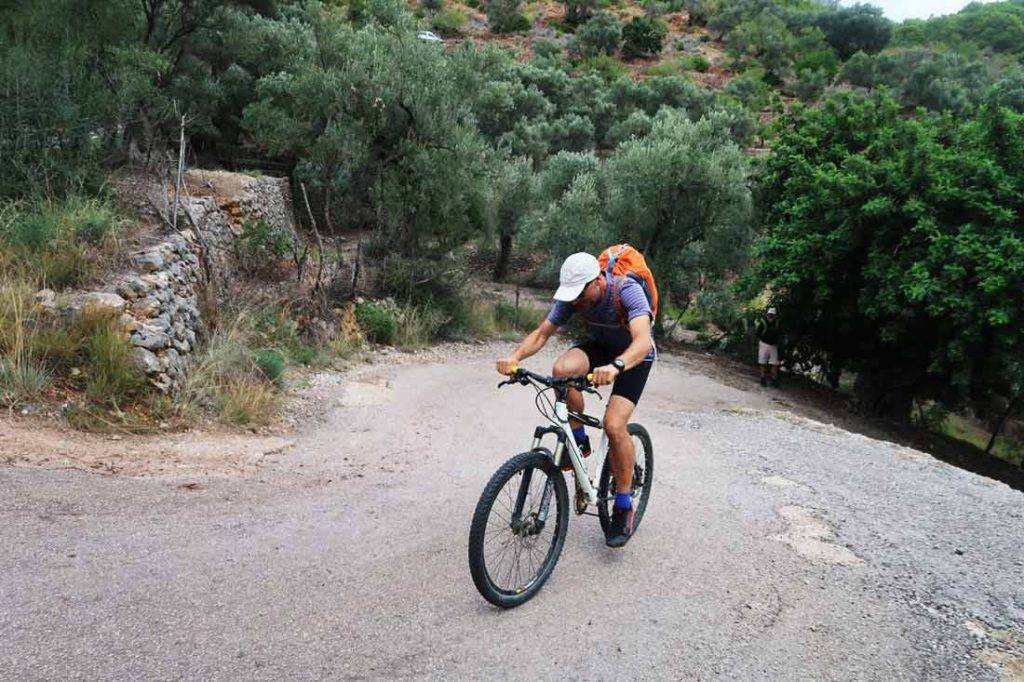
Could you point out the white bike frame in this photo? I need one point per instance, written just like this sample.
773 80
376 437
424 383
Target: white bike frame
568 446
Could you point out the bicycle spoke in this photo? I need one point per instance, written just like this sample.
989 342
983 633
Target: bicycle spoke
515 559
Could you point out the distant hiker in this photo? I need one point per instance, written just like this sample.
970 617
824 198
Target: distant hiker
767 329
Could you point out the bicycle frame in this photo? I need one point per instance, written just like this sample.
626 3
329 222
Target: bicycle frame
566 446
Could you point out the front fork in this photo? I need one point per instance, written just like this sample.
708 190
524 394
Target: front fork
517 524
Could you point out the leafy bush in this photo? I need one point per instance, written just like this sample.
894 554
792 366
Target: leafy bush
681 193
573 133
698 63
599 36
58 244
377 320
810 84
749 89
890 245
818 60
432 5
270 362
265 244
636 125
506 16
608 68
643 36
547 50
861 28
858 70
449 22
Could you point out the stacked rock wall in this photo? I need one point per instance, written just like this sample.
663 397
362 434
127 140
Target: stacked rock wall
158 299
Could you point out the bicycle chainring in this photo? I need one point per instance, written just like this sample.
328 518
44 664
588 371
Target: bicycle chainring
582 501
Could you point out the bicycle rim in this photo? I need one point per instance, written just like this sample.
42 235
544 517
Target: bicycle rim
643 473
512 555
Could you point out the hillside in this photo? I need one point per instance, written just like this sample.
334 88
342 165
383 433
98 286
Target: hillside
536 130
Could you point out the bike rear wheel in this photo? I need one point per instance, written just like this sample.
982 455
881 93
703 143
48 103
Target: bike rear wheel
518 529
643 475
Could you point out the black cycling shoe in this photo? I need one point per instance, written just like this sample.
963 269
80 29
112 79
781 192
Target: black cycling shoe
620 527
584 451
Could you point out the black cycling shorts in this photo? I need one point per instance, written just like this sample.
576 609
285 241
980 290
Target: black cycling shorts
630 384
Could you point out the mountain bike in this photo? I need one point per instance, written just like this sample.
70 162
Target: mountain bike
521 521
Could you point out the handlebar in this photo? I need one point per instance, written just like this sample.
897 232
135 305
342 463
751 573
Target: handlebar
525 376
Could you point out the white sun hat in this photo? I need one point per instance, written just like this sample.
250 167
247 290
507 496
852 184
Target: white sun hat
577 270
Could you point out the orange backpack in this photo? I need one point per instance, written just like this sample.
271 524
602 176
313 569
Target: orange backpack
622 260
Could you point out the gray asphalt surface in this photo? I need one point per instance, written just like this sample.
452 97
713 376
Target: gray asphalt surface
773 548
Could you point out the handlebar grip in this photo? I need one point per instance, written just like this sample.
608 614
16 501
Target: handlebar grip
590 378
513 369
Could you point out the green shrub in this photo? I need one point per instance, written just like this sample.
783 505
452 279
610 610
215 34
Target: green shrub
748 89
810 85
58 244
450 22
637 124
377 320
697 62
303 355
270 362
608 68
475 4
547 49
506 16
432 5
642 37
599 36
265 244
669 67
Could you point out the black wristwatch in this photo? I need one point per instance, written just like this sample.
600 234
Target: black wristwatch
618 364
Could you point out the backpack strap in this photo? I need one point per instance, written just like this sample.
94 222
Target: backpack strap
615 283
620 310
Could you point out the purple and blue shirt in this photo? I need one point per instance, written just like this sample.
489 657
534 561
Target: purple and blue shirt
603 321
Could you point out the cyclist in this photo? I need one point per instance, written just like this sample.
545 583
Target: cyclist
620 351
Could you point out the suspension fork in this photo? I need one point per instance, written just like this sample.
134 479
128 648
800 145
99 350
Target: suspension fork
524 490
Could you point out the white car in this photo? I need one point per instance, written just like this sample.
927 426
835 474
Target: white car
429 37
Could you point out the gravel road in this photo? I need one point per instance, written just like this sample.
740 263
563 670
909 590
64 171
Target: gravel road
773 547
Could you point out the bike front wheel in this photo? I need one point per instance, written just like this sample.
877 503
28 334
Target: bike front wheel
518 529
643 476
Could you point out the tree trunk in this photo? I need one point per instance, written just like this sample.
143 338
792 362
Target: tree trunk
1000 423
504 255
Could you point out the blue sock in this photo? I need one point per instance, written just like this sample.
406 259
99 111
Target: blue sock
579 433
623 500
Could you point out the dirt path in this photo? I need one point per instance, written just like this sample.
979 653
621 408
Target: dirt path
774 547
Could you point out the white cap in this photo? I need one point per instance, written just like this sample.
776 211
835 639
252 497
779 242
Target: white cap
771 311
577 271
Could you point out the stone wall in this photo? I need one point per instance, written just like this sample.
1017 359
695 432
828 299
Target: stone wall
158 298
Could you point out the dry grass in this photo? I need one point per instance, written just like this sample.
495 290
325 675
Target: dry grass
248 400
22 377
